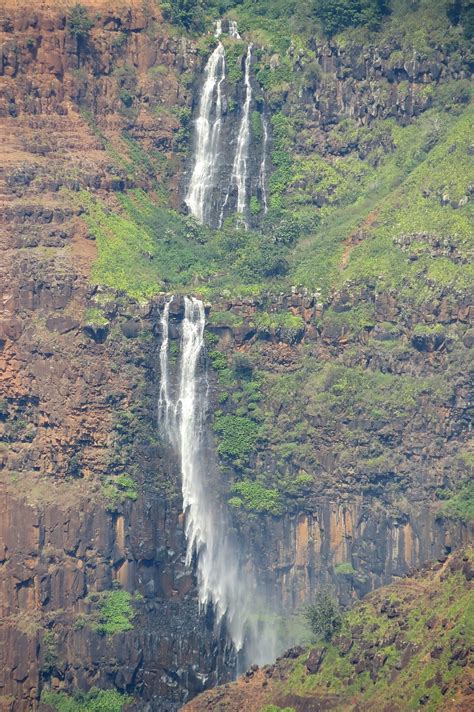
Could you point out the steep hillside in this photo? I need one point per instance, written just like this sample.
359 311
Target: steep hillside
404 647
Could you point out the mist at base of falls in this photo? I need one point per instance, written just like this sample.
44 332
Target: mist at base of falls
226 582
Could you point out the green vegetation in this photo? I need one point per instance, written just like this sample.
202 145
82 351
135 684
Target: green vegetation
431 618
235 50
145 249
344 569
49 653
79 26
79 23
117 489
255 498
238 436
95 317
113 612
461 504
337 15
188 14
93 701
324 616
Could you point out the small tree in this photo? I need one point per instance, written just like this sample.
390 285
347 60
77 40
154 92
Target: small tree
186 13
79 25
324 616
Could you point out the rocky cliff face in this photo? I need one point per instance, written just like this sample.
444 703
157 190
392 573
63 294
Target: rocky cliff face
374 661
79 372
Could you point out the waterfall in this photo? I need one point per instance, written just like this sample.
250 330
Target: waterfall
164 402
218 29
233 31
240 167
207 132
222 580
263 165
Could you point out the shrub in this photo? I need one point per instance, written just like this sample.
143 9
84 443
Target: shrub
118 488
218 360
461 505
93 701
184 13
114 612
238 435
344 569
337 15
256 498
49 653
79 25
255 206
324 616
242 366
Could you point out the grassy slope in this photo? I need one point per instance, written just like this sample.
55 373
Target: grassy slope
145 248
401 644
402 197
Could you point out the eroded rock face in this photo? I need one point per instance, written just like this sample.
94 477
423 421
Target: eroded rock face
53 557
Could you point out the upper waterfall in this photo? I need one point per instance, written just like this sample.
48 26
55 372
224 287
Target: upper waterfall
233 31
241 156
208 129
240 166
225 169
222 580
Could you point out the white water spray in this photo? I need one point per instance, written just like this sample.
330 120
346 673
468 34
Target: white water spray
240 167
164 402
222 580
263 165
208 129
233 31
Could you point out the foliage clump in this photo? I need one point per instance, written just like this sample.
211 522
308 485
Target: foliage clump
93 701
324 616
256 498
188 14
238 435
117 489
79 25
114 612
461 504
338 15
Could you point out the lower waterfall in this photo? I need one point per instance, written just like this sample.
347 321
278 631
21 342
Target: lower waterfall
223 581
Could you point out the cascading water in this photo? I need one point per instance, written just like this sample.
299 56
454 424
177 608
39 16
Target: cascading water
263 165
223 581
213 182
233 31
240 167
208 129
